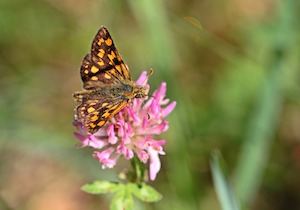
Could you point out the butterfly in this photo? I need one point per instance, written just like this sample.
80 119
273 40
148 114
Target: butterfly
107 83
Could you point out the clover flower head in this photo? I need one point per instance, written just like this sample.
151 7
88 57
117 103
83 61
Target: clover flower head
131 131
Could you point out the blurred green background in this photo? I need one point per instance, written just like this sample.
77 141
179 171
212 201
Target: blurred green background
232 66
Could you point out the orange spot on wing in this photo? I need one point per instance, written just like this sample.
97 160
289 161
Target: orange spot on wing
101 123
90 109
108 42
118 107
94 118
118 67
101 40
94 69
113 54
101 53
101 62
106 114
115 106
104 104
107 76
110 57
94 78
92 125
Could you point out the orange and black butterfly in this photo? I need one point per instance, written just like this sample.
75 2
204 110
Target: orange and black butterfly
107 83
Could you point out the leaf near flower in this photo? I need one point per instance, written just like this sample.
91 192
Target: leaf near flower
145 192
99 187
122 200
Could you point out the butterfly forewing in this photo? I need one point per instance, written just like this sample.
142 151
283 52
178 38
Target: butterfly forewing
103 65
104 51
93 76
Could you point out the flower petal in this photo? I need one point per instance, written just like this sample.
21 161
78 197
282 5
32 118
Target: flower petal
158 129
160 93
122 149
112 139
142 79
155 164
167 110
104 158
143 156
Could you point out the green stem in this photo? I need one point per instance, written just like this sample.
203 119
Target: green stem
138 170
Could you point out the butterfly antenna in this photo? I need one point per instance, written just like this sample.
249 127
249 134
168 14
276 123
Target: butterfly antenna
150 72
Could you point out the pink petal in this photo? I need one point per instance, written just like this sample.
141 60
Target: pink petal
167 110
143 156
158 129
136 104
112 139
158 145
90 141
125 138
122 149
130 130
96 142
160 93
148 104
145 122
155 164
104 158
142 79
154 110
101 132
120 129
133 115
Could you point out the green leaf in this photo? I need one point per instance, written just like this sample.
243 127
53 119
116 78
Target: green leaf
222 186
145 192
123 200
98 187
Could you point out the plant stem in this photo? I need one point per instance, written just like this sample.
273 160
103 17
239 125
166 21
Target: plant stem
138 170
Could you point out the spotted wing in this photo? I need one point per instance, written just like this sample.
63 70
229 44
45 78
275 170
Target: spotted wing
104 65
94 113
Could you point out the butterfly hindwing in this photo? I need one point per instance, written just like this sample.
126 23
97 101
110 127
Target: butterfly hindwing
95 113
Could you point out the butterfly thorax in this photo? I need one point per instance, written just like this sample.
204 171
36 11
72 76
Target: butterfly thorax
123 91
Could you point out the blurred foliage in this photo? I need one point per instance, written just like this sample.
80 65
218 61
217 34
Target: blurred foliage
232 66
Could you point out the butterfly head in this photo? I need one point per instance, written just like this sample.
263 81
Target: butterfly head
140 92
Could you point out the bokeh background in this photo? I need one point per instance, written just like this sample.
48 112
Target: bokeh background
232 66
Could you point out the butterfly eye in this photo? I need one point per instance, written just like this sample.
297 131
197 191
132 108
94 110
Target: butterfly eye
138 96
